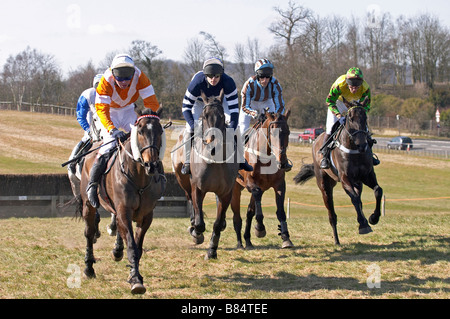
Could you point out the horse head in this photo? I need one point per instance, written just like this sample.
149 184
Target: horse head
212 117
356 125
146 141
278 134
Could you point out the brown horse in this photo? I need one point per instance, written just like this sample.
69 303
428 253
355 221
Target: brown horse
266 151
129 189
213 169
352 165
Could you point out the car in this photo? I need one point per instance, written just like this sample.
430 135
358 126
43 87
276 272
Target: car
310 134
400 143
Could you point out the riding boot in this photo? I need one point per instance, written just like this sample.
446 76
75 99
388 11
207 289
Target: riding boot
245 166
325 150
81 146
286 166
239 147
186 169
372 141
98 168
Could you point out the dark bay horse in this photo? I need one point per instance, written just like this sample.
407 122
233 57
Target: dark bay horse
265 151
213 169
352 165
129 189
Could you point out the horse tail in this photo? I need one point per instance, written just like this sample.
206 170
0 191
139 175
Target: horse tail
305 174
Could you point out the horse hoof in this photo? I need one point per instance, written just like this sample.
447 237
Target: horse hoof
249 247
287 244
260 233
366 230
211 254
89 273
138 289
197 238
117 256
111 232
373 219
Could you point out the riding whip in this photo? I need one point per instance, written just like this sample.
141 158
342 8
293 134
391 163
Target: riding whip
76 158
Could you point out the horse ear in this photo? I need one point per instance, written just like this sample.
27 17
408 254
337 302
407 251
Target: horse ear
204 98
347 103
366 101
159 111
287 114
221 95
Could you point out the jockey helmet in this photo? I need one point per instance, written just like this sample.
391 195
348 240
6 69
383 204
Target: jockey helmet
354 77
96 80
213 66
264 67
122 66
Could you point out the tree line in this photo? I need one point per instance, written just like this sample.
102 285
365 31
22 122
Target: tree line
405 61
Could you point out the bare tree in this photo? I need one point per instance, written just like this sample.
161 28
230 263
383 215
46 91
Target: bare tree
194 55
213 47
289 24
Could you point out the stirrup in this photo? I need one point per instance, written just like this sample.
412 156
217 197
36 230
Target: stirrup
325 163
186 169
92 195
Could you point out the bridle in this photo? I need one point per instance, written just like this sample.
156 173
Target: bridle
352 135
136 150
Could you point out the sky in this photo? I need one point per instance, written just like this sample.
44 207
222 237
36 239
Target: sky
77 32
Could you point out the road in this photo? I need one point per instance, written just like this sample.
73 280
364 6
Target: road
418 144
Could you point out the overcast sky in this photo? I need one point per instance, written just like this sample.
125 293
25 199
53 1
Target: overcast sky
78 31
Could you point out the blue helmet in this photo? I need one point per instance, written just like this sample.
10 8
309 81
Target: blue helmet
264 67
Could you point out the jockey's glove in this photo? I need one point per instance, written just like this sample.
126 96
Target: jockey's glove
118 134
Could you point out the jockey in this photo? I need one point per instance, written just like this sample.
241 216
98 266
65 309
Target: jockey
88 120
120 86
211 80
261 91
353 88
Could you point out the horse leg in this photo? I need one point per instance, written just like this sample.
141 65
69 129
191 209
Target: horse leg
89 233
117 252
112 227
136 280
260 229
222 207
281 215
248 224
378 192
97 229
126 232
326 185
198 224
354 192
237 220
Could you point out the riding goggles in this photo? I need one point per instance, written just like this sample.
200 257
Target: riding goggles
121 79
213 76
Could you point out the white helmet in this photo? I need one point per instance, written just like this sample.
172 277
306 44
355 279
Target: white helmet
122 60
96 80
122 67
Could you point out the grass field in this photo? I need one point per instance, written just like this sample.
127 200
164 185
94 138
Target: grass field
407 254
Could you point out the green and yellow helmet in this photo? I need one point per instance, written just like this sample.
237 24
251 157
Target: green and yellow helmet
354 77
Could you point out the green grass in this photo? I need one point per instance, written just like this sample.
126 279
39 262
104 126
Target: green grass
410 245
411 253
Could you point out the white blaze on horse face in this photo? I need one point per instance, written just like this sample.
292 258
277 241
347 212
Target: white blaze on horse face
134 144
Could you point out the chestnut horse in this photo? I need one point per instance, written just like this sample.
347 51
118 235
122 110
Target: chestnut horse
129 189
352 165
266 151
213 169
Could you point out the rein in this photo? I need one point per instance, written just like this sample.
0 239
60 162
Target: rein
351 136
